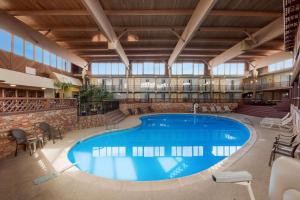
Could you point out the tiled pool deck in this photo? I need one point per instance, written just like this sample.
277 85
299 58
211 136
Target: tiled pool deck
17 173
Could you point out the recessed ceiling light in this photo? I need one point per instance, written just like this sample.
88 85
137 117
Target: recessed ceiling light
12 85
43 88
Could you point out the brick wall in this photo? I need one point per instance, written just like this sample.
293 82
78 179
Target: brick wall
169 107
65 119
90 121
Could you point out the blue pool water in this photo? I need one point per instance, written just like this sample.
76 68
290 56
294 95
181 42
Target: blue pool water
163 147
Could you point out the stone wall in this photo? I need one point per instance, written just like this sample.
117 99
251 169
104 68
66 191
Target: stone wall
90 121
65 119
165 107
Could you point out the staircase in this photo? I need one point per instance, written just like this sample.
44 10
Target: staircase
114 117
261 111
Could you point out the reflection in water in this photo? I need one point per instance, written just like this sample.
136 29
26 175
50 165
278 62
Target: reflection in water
163 147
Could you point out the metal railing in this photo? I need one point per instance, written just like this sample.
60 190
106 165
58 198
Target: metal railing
97 107
25 105
181 100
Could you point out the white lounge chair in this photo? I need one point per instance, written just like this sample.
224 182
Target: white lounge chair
268 119
219 109
268 122
227 109
240 177
283 125
204 109
213 109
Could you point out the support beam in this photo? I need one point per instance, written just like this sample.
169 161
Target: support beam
97 12
265 34
146 28
263 62
144 12
198 16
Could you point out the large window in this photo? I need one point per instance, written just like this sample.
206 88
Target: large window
187 68
18 46
148 68
5 40
108 69
233 69
29 53
285 64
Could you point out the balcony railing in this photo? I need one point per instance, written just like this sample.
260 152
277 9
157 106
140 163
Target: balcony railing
25 105
181 100
175 88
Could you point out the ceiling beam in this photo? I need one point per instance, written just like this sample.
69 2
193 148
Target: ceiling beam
145 12
145 28
164 55
79 40
265 34
201 11
96 11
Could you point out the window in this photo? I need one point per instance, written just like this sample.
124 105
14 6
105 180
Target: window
137 68
53 60
59 63
18 46
148 68
38 54
5 40
198 69
29 54
187 68
233 69
46 57
95 67
159 68
285 64
69 67
108 68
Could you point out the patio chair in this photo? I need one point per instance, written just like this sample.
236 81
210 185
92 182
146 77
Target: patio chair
130 111
284 150
204 109
227 109
219 109
21 139
50 132
285 140
213 109
139 111
150 109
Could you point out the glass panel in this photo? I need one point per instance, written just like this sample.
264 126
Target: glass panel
227 69
46 57
5 40
38 54
114 68
18 46
233 69
95 68
241 68
108 69
53 60
148 68
179 69
122 70
221 69
288 63
29 50
134 69
187 68
59 63
162 68
174 69
101 68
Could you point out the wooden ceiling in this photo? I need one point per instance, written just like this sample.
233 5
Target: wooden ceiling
155 23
